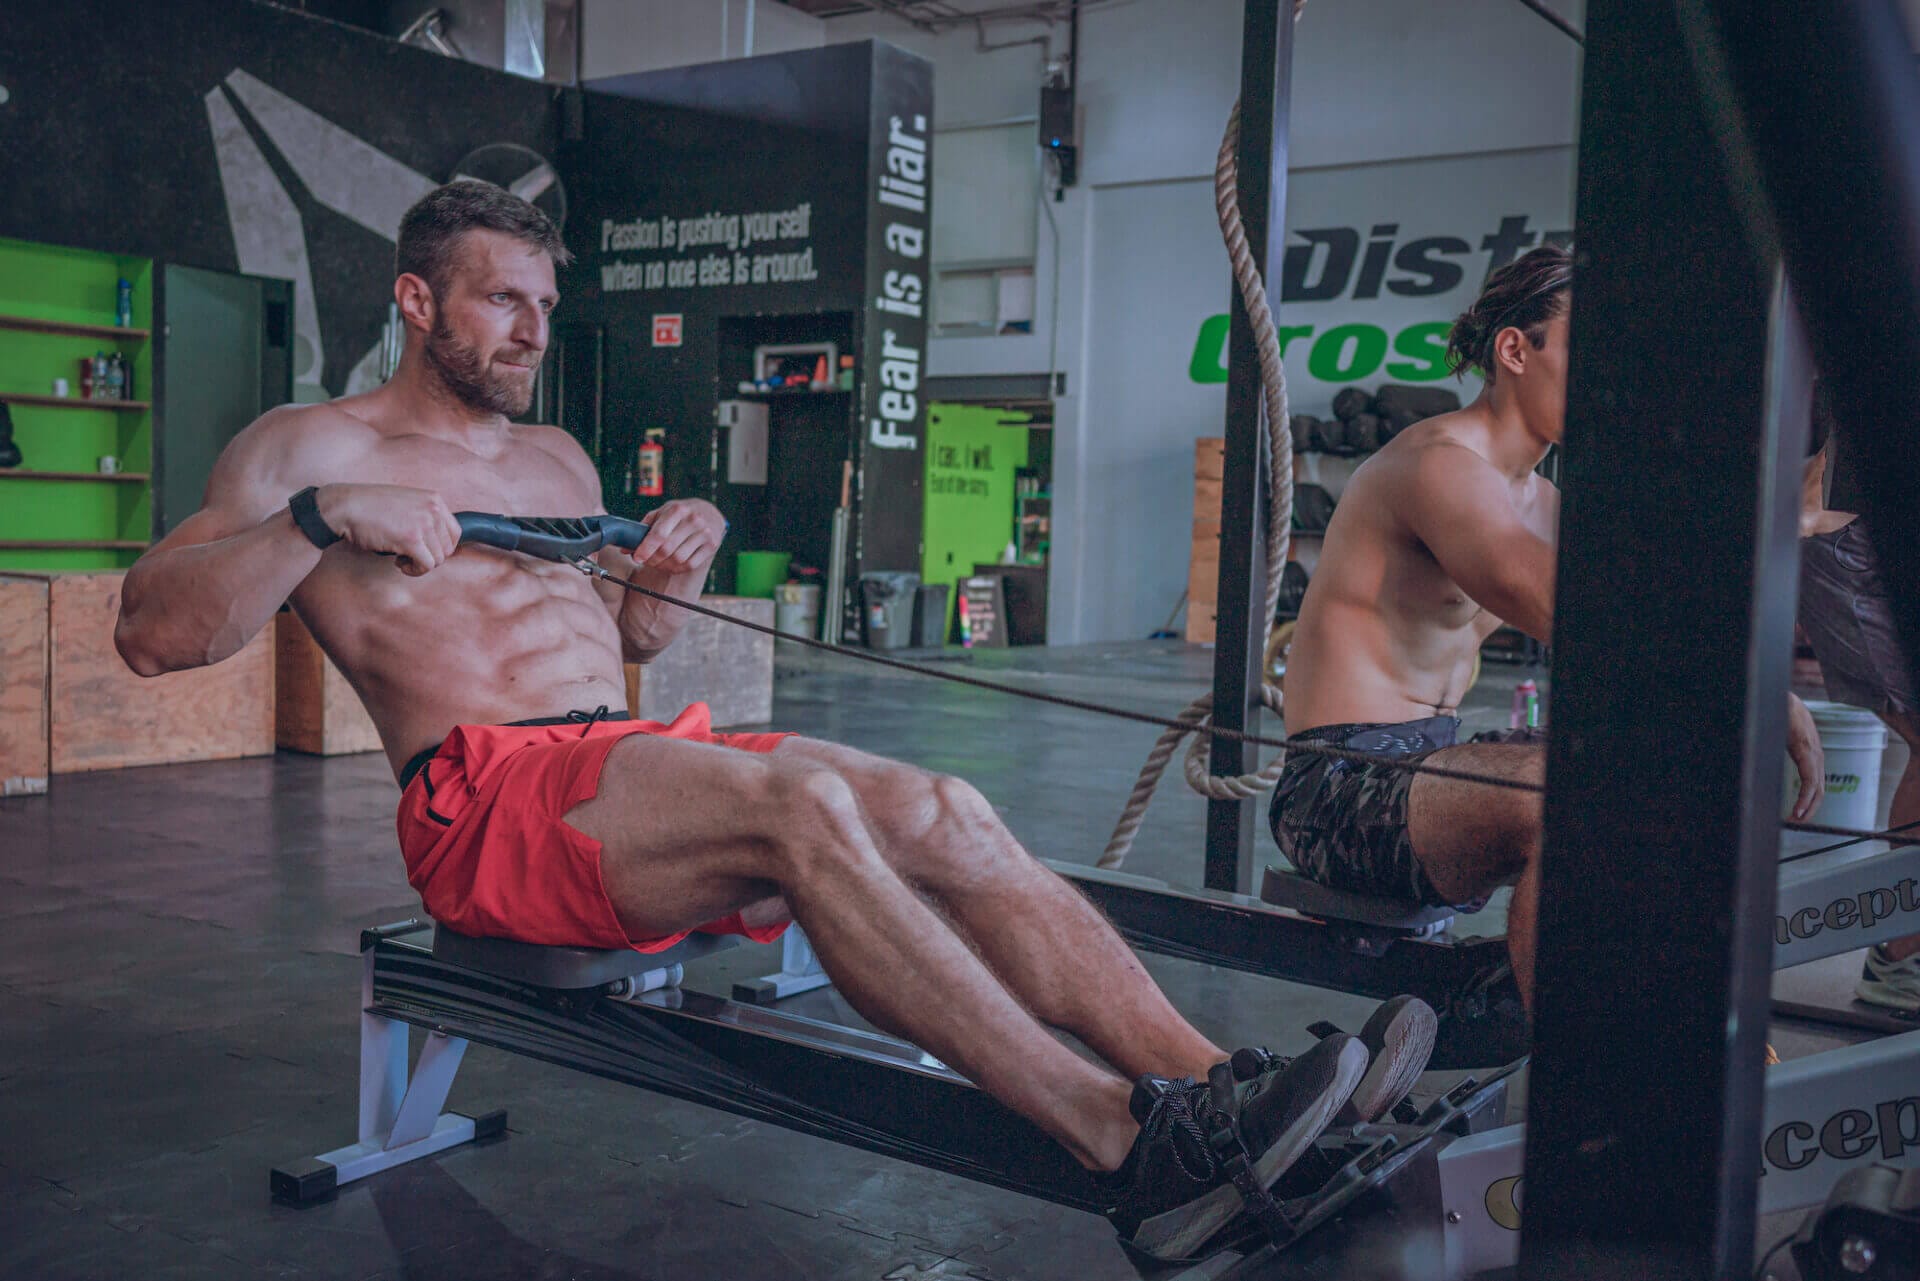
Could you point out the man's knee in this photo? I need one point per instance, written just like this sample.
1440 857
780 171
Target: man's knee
958 804
811 817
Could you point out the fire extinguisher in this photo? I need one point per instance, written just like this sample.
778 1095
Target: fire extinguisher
653 464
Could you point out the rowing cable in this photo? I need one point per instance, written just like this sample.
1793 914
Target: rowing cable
594 570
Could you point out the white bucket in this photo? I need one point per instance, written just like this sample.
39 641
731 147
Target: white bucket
796 608
1854 740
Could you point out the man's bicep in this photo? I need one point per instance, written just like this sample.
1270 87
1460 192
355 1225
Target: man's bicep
243 489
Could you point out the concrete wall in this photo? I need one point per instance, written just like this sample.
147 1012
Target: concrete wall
622 36
1134 258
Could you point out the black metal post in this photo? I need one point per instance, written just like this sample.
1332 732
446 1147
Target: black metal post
1819 103
1672 642
1266 74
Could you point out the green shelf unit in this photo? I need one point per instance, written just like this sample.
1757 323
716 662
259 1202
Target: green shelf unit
57 307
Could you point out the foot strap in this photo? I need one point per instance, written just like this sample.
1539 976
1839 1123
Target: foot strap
1231 1151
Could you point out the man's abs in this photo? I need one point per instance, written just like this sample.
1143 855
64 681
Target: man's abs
1351 665
486 638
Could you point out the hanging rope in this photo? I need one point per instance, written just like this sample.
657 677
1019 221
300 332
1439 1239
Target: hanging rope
1278 447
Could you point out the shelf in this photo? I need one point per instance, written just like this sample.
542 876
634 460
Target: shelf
31 325
125 476
75 402
72 544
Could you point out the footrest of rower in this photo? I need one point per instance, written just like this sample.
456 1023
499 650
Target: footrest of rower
1288 889
567 968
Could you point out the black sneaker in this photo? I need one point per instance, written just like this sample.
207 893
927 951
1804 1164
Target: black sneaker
1207 1151
1399 1039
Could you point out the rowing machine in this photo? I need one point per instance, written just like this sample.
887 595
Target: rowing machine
624 1016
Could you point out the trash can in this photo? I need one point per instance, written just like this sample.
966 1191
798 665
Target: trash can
886 606
796 609
930 615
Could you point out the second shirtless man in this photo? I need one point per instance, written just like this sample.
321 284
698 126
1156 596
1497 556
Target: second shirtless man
1439 538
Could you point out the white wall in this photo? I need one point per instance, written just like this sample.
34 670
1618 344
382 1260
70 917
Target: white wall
622 36
1375 82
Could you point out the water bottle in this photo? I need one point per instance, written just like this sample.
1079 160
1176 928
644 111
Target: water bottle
123 310
1527 705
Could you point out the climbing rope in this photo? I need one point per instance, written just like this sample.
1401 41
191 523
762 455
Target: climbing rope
1197 720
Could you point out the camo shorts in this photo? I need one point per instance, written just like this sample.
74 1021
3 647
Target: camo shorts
1344 823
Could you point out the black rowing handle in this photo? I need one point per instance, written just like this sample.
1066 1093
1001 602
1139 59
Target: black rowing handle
560 538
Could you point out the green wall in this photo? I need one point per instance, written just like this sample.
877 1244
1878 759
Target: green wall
972 454
49 283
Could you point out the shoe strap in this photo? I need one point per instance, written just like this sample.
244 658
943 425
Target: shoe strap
1230 1150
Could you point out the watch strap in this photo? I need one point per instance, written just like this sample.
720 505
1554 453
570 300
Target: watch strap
305 510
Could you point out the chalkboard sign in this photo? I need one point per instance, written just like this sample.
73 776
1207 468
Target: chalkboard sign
983 610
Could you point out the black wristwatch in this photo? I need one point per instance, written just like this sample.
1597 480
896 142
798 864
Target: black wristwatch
306 514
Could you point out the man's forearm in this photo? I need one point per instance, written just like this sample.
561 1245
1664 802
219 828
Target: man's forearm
647 625
190 606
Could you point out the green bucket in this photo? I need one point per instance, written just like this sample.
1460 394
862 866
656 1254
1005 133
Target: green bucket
758 573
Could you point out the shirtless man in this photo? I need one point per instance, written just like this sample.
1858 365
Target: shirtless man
1441 537
520 821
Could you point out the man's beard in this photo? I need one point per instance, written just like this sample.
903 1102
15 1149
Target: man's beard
472 378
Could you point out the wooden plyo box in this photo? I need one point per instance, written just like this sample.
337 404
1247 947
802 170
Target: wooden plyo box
1203 566
726 667
24 658
99 715
315 710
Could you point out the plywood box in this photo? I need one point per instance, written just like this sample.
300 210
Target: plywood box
1203 565
102 716
726 667
315 710
24 654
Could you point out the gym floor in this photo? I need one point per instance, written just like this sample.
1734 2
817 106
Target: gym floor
178 1000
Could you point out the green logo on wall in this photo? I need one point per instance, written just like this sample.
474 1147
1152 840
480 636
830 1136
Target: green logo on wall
1342 354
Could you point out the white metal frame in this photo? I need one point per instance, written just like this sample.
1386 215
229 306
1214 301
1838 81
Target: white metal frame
402 1111
799 972
1825 1114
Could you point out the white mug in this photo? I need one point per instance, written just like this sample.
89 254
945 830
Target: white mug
60 387
109 465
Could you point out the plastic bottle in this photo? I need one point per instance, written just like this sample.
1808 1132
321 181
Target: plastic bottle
123 309
1526 706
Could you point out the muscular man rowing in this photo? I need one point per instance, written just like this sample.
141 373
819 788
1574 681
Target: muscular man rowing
528 812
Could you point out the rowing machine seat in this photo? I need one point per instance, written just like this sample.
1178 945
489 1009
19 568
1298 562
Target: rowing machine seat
568 968
1288 889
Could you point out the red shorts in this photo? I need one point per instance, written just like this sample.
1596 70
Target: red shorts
483 830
